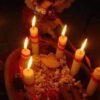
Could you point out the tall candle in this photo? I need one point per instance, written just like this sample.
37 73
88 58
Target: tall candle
28 73
25 54
61 43
79 55
34 37
94 81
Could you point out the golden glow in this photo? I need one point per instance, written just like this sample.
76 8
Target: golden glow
84 44
33 21
26 43
29 63
97 72
64 30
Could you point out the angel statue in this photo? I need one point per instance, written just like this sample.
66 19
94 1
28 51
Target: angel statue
46 12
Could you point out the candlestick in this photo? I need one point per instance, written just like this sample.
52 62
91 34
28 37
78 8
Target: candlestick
25 54
94 81
34 37
79 55
28 74
61 43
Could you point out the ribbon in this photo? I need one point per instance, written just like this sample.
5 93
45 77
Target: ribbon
34 37
60 46
25 56
94 79
35 42
78 60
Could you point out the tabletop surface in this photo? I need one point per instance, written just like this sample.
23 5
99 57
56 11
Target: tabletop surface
83 19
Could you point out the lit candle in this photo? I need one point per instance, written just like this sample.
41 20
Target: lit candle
95 80
34 37
25 54
79 55
61 43
28 73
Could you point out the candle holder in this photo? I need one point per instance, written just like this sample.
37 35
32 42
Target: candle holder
46 46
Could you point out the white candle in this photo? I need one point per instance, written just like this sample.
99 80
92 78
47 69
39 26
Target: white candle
28 73
34 37
61 43
25 54
79 55
94 81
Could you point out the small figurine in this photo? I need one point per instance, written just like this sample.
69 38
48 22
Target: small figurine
46 12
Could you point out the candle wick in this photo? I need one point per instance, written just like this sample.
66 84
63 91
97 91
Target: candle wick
63 36
25 49
33 26
27 69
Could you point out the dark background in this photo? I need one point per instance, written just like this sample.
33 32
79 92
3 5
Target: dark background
83 19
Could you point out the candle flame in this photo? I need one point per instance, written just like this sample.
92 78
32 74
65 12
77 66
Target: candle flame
64 30
29 62
84 44
26 43
34 21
